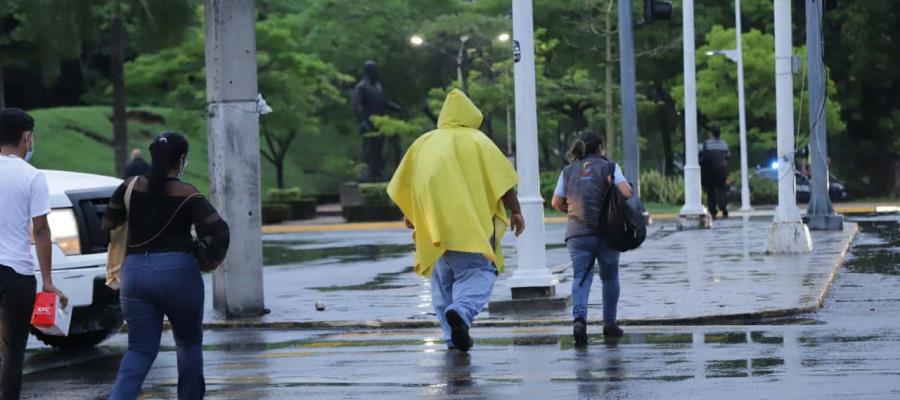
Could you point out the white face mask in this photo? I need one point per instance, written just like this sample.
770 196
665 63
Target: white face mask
30 152
183 167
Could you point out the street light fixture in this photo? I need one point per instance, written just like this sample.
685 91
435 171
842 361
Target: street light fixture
504 37
416 40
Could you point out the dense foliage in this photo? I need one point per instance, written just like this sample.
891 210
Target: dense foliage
311 52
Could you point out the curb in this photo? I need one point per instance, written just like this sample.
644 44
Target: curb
368 226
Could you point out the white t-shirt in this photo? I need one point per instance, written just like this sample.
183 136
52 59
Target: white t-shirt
23 196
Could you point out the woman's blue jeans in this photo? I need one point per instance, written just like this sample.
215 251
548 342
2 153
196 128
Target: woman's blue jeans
154 285
584 250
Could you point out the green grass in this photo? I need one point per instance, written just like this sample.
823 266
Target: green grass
80 139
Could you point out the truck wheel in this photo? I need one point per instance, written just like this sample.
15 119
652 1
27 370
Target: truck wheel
75 341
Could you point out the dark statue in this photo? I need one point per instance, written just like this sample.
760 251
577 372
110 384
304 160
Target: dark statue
369 99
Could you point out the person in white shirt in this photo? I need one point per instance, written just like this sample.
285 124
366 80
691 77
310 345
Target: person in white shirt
24 205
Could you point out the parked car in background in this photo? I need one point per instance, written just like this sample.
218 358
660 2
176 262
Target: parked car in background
837 191
78 202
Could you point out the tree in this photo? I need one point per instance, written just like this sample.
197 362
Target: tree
717 91
298 86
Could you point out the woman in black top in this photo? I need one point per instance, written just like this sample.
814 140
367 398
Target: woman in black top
160 275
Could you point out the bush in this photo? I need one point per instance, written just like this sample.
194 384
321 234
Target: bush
375 194
762 190
376 205
273 213
282 195
548 185
657 188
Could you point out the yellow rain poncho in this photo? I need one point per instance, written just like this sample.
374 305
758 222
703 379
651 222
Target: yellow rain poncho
449 185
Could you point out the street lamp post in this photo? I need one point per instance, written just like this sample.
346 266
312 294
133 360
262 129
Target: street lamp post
742 117
737 57
788 234
531 278
693 214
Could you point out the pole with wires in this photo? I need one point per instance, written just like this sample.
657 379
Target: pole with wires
788 234
820 214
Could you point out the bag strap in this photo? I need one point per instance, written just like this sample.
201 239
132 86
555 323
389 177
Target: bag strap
169 222
128 190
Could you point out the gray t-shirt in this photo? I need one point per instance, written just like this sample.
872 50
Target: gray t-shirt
24 195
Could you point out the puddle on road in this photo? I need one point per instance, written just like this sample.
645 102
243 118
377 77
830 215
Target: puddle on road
282 253
876 249
381 281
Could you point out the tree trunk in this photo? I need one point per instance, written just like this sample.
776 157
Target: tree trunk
117 72
279 172
487 126
609 105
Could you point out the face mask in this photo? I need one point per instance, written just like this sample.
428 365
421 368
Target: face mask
183 167
30 152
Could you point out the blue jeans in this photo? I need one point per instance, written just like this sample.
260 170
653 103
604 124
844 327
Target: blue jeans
584 250
154 285
461 282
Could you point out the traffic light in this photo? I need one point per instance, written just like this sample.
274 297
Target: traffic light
657 10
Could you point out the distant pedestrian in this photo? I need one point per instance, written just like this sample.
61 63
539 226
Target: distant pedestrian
26 202
137 166
580 193
714 172
160 275
452 186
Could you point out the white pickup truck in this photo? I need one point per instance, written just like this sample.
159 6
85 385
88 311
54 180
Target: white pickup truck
78 202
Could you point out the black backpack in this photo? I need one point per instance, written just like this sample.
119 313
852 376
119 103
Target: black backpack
622 220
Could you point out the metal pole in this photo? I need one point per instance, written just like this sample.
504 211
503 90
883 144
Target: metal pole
820 212
631 154
531 274
788 234
234 152
745 179
693 214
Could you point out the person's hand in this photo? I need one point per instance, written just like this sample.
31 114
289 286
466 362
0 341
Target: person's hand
408 224
517 223
49 288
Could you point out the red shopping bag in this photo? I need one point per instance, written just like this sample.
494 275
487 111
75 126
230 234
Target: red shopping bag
50 316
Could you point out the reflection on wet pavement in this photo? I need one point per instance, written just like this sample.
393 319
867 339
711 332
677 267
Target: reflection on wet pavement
850 349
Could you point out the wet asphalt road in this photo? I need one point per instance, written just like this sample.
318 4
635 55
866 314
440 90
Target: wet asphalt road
850 349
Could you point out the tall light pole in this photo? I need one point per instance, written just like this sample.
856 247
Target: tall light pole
693 214
233 140
742 117
820 214
788 234
737 57
531 278
631 153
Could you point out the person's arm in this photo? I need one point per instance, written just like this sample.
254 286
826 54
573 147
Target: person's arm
516 220
622 183
559 203
44 246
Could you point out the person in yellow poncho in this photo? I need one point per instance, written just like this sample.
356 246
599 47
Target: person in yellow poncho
453 186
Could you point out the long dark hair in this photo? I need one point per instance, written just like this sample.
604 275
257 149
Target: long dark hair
587 144
166 151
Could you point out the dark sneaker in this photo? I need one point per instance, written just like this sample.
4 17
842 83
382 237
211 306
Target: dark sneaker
612 331
725 214
459 331
579 331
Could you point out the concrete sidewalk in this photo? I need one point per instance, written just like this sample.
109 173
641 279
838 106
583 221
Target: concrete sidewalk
365 278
